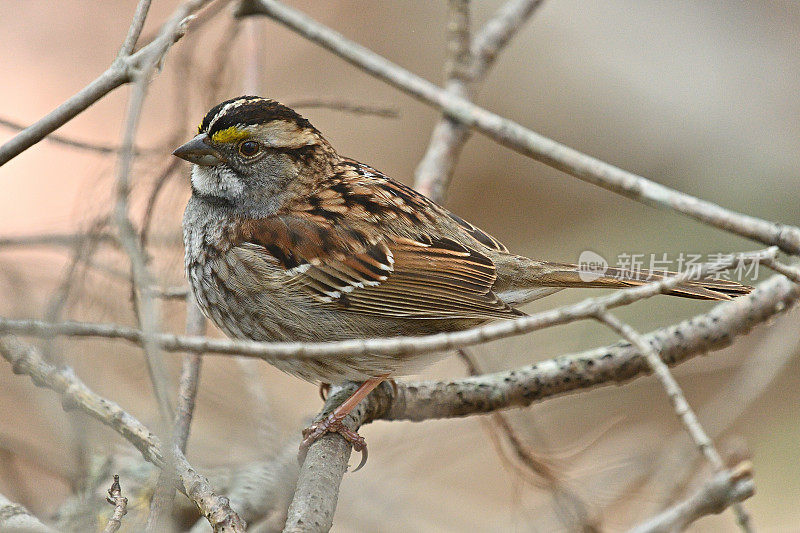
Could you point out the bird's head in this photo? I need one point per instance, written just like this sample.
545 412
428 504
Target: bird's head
249 151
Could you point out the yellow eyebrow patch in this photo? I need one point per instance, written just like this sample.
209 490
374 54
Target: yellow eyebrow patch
229 135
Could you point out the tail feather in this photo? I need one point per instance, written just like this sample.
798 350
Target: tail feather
567 275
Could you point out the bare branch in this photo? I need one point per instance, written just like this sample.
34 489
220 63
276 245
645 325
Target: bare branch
525 141
109 80
120 504
433 173
217 509
661 371
68 240
190 376
147 306
601 366
317 492
346 107
726 488
160 182
82 254
791 272
123 70
16 518
25 359
497 32
164 494
463 397
682 408
458 41
135 29
265 489
66 141
671 470
315 499
418 401
469 64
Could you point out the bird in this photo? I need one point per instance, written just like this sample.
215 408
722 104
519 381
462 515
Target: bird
286 240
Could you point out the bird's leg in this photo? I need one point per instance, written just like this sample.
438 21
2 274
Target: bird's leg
333 422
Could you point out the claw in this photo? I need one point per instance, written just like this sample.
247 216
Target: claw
364 454
332 424
324 389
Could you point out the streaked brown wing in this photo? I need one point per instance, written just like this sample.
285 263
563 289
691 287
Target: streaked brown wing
424 278
434 278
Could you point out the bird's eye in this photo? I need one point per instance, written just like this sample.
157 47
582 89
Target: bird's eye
249 148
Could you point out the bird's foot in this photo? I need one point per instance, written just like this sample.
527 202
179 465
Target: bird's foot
333 424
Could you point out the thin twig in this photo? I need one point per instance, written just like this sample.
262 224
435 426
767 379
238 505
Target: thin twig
135 29
671 471
82 254
116 75
67 240
190 376
790 271
147 309
432 176
217 509
162 179
500 424
682 408
201 17
415 401
66 141
497 32
124 69
727 488
519 387
601 366
120 504
25 359
525 141
57 302
265 488
661 371
469 64
164 494
345 107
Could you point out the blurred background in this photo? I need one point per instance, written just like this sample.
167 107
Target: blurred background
696 95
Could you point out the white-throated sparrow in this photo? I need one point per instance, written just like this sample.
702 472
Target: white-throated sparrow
288 241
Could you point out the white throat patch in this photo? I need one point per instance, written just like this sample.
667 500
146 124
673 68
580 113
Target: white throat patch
218 180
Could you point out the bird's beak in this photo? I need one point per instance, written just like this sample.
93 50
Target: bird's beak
199 152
